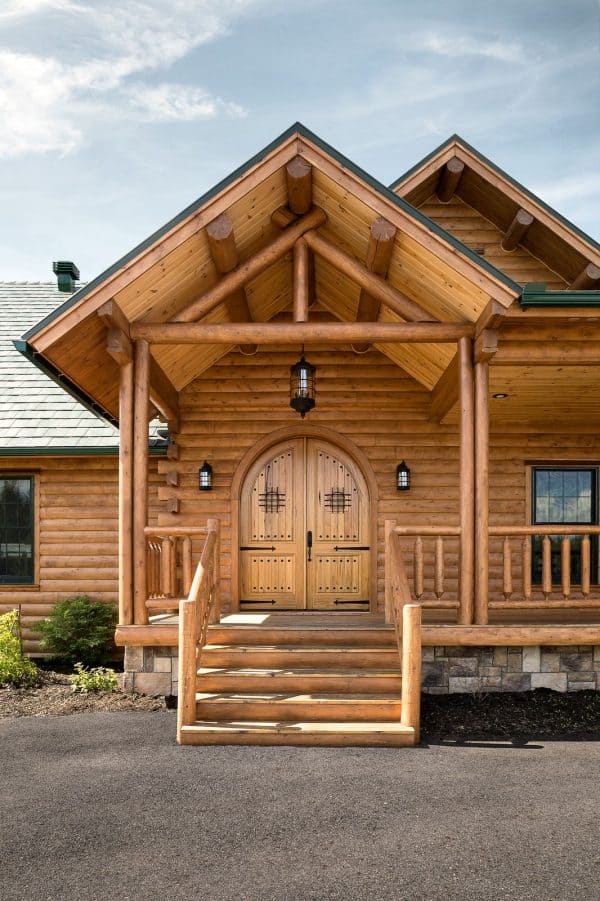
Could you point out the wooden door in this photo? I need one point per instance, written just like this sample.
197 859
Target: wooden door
304 530
337 513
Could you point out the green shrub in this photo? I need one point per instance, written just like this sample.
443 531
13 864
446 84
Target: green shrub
79 629
15 668
98 679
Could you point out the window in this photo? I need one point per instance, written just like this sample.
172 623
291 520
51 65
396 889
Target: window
17 530
565 495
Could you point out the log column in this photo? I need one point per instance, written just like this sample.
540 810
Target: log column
126 387
141 395
482 470
467 471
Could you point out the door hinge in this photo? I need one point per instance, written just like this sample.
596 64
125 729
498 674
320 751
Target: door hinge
245 548
349 601
359 547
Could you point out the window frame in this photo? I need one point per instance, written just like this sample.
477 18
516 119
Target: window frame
567 466
34 585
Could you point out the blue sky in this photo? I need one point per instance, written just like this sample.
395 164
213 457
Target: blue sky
118 113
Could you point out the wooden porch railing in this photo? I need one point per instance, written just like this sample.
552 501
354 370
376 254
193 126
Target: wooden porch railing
429 542
406 618
517 553
200 608
169 566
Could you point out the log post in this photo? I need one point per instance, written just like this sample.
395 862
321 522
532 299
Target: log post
390 525
411 667
467 472
301 299
140 478
126 383
482 469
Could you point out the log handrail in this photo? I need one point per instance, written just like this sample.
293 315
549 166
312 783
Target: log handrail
200 608
406 619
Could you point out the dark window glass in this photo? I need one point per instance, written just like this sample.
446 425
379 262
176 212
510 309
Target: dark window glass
564 496
16 531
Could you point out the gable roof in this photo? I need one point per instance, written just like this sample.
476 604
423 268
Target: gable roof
39 413
488 188
174 267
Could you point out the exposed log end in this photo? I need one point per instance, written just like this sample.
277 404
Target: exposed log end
361 348
221 241
299 185
450 177
587 278
516 230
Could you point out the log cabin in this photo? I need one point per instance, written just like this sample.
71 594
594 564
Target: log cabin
384 444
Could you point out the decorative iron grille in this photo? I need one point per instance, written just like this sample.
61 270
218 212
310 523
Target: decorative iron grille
272 500
337 500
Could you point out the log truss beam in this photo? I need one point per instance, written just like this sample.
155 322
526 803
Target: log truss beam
326 333
376 286
379 255
251 268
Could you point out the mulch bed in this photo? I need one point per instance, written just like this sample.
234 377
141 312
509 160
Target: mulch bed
514 716
55 697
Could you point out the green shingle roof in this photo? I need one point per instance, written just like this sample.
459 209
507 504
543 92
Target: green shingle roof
35 412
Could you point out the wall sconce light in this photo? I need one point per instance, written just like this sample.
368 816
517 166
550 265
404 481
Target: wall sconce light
402 477
205 477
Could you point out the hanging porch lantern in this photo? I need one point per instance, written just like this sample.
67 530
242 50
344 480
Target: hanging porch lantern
205 477
402 477
302 386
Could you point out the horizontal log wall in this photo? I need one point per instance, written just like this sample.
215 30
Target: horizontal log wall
77 533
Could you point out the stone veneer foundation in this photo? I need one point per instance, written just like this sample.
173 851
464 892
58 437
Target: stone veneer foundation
153 671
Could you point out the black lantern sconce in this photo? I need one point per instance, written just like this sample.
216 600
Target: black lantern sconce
302 386
402 477
205 477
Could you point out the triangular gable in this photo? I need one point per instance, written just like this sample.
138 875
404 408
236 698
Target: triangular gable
173 267
564 248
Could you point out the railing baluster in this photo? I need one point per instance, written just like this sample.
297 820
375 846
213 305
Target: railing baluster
546 567
439 567
565 566
585 566
526 568
173 574
418 568
186 565
165 569
507 585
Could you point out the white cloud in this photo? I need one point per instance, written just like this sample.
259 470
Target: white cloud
457 46
178 103
43 99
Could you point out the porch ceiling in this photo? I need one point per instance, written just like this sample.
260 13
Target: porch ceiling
161 278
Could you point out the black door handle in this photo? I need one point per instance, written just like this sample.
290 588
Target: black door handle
309 545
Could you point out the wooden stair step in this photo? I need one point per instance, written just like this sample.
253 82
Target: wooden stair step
307 679
309 707
294 655
352 636
328 734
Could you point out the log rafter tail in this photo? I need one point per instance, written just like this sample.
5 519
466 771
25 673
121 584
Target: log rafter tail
379 255
223 249
449 179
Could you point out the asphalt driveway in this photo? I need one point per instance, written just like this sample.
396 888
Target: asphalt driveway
106 806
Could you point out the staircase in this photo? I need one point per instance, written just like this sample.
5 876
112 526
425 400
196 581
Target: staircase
333 682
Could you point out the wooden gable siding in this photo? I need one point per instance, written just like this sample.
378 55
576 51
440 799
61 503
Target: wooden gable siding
480 234
77 533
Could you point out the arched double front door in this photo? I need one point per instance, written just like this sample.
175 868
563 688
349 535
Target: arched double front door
304 530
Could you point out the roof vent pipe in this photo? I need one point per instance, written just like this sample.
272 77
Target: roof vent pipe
67 273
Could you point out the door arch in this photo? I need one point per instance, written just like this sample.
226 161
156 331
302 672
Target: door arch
294 486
